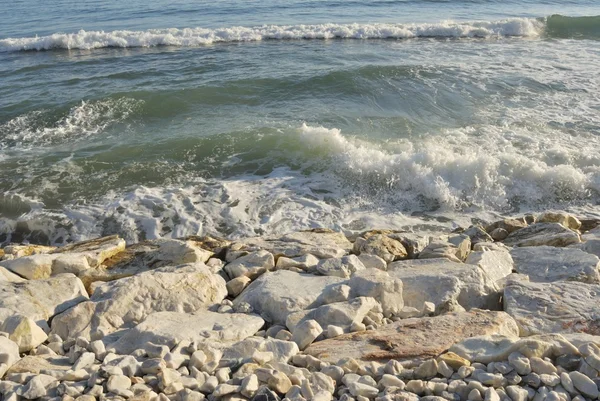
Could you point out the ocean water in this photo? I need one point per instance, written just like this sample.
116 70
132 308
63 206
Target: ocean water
241 118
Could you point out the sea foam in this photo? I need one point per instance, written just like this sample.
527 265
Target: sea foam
190 37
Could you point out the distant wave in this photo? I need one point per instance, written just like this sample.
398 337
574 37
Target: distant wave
189 37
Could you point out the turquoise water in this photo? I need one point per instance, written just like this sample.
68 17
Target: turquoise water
245 118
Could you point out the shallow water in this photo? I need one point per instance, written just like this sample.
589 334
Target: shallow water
246 118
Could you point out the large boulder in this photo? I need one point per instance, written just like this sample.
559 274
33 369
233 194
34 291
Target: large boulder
565 219
7 276
321 243
170 328
145 256
552 234
387 290
413 339
96 250
449 285
547 264
40 300
126 302
385 247
558 307
343 267
497 264
275 295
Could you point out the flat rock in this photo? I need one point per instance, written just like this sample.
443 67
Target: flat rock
146 256
170 328
126 302
18 251
413 339
275 295
40 300
551 234
97 250
445 283
343 267
496 264
6 276
558 307
547 264
322 243
39 363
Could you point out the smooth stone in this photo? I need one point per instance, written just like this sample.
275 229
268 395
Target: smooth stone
565 219
171 328
584 384
125 302
413 339
548 264
551 234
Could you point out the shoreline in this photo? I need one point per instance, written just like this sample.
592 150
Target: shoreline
505 312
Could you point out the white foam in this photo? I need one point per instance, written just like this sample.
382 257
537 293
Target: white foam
187 37
84 120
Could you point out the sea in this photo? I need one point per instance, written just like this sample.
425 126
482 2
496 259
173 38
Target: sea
237 118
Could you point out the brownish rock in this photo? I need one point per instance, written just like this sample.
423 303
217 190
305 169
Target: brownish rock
413 340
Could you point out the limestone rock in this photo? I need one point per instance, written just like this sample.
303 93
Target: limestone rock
6 276
558 307
496 264
508 225
18 251
33 267
40 300
445 283
547 264
477 234
412 242
343 267
441 249
584 384
145 256
171 328
97 250
565 219
304 263
342 314
413 339
237 285
9 354
128 301
385 247
251 265
322 243
551 234
386 289
306 332
372 261
275 295
281 350
24 332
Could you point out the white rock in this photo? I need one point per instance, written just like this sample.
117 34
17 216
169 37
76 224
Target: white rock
547 264
372 261
275 295
334 331
97 250
9 354
251 265
321 243
584 384
305 263
32 267
565 219
386 289
385 247
119 385
24 332
540 366
35 388
306 332
360 389
551 234
249 386
185 288
10 277
496 264
517 393
343 267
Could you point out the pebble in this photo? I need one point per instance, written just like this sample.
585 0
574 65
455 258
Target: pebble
584 384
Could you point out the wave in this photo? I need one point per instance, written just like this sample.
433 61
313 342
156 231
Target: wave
190 37
39 128
560 26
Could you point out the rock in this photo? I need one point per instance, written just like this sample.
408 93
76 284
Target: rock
454 361
24 332
343 267
427 370
446 284
237 285
128 301
264 394
97 250
35 364
385 247
387 290
591 246
9 354
508 225
565 219
334 331
342 314
413 243
275 295
304 263
33 267
547 264
249 386
441 249
372 261
18 251
496 264
412 339
364 390
499 234
40 300
145 256
282 351
119 385
322 243
462 242
584 384
559 307
7 276
35 388
551 234
305 333
171 328
279 382
477 234
251 265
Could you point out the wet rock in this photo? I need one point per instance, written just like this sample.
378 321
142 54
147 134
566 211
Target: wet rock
385 247
539 234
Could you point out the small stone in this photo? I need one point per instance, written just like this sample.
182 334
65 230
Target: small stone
86 360
357 326
279 382
453 360
541 366
119 385
334 331
249 386
237 285
551 380
491 395
427 369
474 395
584 384
444 369
364 390
521 363
517 393
305 333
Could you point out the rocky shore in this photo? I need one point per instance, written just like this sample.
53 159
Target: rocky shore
506 311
